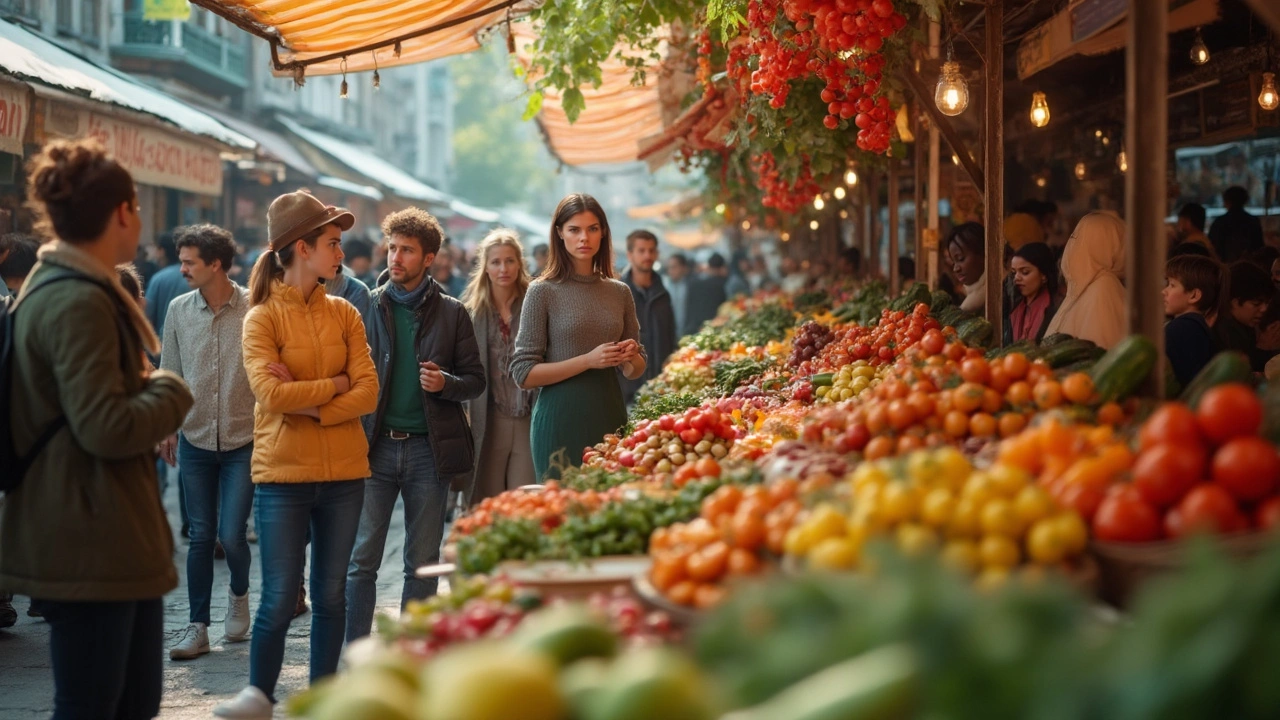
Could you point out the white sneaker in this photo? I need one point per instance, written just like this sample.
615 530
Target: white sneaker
250 704
193 643
236 628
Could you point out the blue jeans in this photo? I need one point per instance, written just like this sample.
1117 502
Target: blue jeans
331 511
106 658
219 498
399 467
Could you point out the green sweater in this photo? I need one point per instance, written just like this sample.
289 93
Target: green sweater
404 392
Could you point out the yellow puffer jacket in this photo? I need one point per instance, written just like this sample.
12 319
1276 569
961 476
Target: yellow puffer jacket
317 340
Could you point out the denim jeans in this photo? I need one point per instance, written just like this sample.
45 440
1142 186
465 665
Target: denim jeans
399 467
219 497
106 658
331 510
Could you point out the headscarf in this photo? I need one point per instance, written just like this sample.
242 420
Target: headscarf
1093 265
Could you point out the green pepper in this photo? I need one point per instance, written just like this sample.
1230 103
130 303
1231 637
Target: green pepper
822 379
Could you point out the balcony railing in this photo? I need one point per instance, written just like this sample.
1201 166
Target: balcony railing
200 48
21 9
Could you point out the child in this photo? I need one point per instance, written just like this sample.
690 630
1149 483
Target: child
1191 289
1248 292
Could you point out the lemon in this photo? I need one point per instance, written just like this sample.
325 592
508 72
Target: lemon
899 502
798 541
980 488
999 518
834 554
1033 504
916 539
826 522
953 466
965 519
1008 480
998 551
937 507
961 555
870 474
1072 532
1045 543
992 579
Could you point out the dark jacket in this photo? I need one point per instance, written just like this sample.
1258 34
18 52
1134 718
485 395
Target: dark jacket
1190 345
705 296
1235 235
657 329
447 338
1049 312
1234 335
87 523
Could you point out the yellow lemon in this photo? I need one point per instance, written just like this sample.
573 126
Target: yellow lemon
1033 504
961 555
954 468
899 502
834 554
1044 543
826 522
916 539
965 519
998 551
1072 532
937 507
1008 480
999 518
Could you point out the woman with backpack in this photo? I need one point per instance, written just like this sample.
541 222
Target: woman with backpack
78 383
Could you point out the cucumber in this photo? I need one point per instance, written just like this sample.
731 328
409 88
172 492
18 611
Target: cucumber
1025 347
877 685
939 301
1070 352
1055 339
975 332
952 317
822 379
919 293
1225 367
1075 367
1123 368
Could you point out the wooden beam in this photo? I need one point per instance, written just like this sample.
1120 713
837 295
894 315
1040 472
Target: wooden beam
943 123
895 282
872 250
1268 10
918 169
993 194
1146 147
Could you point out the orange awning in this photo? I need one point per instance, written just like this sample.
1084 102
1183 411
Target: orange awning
319 34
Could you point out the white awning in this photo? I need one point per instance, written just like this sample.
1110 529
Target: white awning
534 228
349 187
365 161
39 62
479 215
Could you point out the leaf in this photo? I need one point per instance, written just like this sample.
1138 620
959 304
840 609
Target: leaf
534 107
573 104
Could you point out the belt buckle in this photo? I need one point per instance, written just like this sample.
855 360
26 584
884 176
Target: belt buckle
396 435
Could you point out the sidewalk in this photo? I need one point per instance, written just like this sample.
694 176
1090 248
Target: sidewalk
191 688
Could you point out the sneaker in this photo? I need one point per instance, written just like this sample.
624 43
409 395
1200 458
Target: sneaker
8 616
250 704
236 628
301 607
193 643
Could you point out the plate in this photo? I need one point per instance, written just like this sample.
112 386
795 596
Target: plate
572 579
650 596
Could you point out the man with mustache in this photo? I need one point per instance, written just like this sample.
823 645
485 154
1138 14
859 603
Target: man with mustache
420 446
202 345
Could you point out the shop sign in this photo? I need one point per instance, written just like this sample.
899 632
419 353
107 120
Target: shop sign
159 158
14 111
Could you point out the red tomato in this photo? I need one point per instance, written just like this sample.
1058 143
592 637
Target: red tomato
1248 468
1229 411
697 421
1084 499
1267 516
1124 516
1164 473
691 436
666 422
681 425
933 342
885 353
1173 423
1174 524
1209 508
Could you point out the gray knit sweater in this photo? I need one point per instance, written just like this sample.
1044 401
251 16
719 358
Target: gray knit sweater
562 320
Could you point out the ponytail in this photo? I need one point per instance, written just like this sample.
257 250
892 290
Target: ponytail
265 271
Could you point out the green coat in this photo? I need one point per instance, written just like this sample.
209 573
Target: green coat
87 522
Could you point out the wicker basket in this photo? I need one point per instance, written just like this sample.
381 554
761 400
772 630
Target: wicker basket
1126 567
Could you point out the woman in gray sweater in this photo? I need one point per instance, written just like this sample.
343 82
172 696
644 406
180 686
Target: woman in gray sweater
578 323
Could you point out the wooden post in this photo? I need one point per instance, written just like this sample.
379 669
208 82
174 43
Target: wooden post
918 169
1146 144
895 282
931 238
993 172
873 222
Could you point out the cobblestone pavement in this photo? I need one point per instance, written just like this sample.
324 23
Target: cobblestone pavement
191 688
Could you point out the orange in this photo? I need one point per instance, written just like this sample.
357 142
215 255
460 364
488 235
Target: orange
1048 394
1011 423
992 401
881 446
956 424
707 596
1019 394
910 442
975 370
1057 439
921 402
901 415
1078 388
1016 365
982 425
682 592
1111 414
968 397
1020 451
667 570
999 380
877 418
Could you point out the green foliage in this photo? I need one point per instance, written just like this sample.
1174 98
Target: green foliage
733 374
729 15
768 322
651 406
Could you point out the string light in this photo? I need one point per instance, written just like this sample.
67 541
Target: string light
838 192
1041 181
720 209
342 91
1122 162
851 178
786 236
746 224
1269 98
1199 51
1080 171
952 93
817 202
1039 110
813 224
844 214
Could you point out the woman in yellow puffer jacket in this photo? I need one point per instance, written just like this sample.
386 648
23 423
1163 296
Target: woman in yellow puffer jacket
309 367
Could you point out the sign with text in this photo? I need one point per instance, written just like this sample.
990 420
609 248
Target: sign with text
14 111
156 157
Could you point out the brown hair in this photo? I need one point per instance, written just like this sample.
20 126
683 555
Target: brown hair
130 279
478 297
417 224
271 265
211 241
1196 272
73 186
560 262
640 235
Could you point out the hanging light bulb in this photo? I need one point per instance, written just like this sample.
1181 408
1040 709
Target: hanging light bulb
1039 110
1080 171
720 209
1269 98
851 178
342 93
817 202
839 192
952 93
786 236
1199 51
377 80
746 224
844 214
1122 162
813 224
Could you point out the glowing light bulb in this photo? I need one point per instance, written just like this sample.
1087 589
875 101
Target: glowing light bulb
955 159
844 214
1122 162
1199 51
838 192
1269 98
746 224
817 202
813 224
952 93
720 209
1041 181
851 178
1039 110
786 236
1080 171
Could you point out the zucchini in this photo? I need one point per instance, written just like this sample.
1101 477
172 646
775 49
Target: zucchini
939 301
1055 339
919 293
1225 367
1072 351
822 379
877 685
1124 367
975 332
1026 347
1075 367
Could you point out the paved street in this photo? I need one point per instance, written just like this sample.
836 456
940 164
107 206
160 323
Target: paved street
193 688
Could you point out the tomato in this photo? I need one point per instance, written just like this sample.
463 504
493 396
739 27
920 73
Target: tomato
743 562
698 421
1016 365
747 531
886 354
1174 524
1164 473
933 343
682 592
691 436
1172 423
901 415
666 422
1124 516
1209 508
1084 499
709 563
854 439
681 424
1267 516
975 370
667 570
1048 394
1247 467
880 447
707 467
1229 411
954 351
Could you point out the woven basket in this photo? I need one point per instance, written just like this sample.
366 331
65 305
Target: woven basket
1126 567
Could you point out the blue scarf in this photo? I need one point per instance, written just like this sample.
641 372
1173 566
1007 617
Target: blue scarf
411 298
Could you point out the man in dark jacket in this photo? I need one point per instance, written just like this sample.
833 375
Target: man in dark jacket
653 307
420 445
1236 233
707 293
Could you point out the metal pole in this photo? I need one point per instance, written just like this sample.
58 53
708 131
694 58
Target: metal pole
895 282
930 266
993 172
1146 143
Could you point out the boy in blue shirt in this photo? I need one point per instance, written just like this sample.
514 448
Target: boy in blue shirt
1190 291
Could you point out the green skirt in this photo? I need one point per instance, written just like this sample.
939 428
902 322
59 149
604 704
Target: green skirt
575 414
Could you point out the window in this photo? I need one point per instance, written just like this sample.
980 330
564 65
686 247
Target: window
65 17
25 9
89 19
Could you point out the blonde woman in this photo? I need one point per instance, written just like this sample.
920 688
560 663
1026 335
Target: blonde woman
501 416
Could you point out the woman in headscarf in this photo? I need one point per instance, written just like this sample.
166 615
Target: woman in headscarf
1093 265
